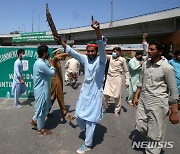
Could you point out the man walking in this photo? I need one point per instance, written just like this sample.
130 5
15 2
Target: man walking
135 66
18 86
151 98
113 85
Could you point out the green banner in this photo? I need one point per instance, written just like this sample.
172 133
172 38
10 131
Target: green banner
33 34
8 56
33 37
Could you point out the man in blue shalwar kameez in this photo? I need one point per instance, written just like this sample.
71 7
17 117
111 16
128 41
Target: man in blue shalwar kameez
89 105
41 80
175 62
18 86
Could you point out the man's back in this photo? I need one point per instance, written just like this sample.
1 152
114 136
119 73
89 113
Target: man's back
73 65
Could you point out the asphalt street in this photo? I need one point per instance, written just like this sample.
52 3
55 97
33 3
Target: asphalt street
113 135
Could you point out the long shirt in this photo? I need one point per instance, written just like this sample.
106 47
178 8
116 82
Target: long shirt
89 103
41 83
157 81
18 69
117 68
134 71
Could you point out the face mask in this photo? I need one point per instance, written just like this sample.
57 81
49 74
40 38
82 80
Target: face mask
114 55
23 56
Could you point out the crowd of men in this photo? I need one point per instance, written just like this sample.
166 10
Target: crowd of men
153 86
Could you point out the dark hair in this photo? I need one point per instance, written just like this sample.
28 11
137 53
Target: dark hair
177 52
41 49
20 51
159 45
139 52
117 48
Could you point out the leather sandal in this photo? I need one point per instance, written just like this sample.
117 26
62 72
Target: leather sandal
33 122
45 132
69 117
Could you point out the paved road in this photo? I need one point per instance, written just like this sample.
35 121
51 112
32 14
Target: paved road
112 135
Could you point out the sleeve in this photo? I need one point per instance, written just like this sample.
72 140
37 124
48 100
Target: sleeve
80 57
145 47
170 62
126 72
46 70
108 57
133 66
17 70
140 83
170 80
102 52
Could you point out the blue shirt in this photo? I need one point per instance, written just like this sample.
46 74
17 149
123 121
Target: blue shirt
18 69
41 83
176 64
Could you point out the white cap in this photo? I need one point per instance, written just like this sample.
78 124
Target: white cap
55 50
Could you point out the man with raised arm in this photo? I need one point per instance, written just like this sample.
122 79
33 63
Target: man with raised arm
41 79
89 105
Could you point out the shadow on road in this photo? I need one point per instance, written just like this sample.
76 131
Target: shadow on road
111 108
98 134
28 102
137 136
53 119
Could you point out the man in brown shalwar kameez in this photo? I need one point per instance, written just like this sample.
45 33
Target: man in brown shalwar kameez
57 84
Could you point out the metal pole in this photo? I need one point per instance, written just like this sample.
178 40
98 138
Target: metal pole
39 23
110 25
32 19
23 27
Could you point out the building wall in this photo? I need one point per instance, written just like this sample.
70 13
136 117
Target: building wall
173 39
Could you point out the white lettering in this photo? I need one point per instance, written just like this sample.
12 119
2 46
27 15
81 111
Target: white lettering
136 144
154 144
170 144
11 76
5 84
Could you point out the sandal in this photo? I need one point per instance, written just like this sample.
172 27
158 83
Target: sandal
69 117
45 132
130 103
33 122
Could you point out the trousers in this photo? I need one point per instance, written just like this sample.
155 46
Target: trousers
89 128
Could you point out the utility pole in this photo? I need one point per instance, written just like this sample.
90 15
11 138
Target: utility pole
110 25
38 23
23 27
32 19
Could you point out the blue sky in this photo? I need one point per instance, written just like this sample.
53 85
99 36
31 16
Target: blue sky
18 14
